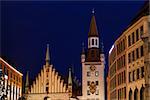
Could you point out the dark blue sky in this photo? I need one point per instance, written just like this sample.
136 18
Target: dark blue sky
28 26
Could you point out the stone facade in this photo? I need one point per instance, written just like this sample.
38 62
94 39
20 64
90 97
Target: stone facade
12 80
128 59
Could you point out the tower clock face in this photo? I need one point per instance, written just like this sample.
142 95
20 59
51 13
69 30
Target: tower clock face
92 68
92 87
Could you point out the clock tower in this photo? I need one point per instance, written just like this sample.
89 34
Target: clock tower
93 64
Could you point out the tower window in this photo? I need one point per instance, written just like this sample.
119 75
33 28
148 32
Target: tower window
96 82
89 42
88 74
92 41
95 41
96 73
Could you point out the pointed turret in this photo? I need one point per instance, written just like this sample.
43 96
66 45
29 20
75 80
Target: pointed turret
27 83
83 48
70 77
47 59
70 83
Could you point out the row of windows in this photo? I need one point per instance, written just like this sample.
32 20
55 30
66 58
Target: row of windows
121 62
14 91
113 70
121 77
122 93
121 46
96 73
136 74
135 54
10 74
135 36
113 84
93 42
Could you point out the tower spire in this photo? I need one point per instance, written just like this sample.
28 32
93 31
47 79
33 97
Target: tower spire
47 59
70 82
83 48
27 82
70 77
93 27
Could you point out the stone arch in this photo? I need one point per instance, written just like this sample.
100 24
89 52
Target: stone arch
136 94
142 93
130 94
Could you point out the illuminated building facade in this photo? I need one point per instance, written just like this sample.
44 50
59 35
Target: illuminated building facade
126 75
93 64
12 80
48 84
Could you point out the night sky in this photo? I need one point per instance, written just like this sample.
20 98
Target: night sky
26 28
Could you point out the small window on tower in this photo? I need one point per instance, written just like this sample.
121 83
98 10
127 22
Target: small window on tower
88 73
96 73
92 41
95 41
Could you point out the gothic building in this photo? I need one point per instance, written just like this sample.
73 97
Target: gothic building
93 64
48 85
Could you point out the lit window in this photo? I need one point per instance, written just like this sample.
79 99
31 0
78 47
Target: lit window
96 73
